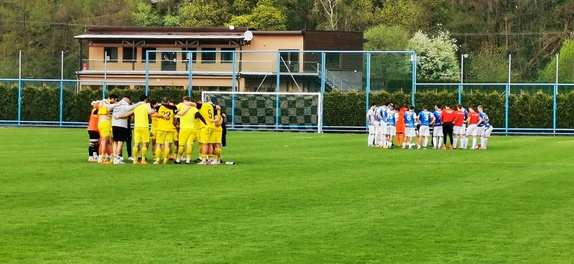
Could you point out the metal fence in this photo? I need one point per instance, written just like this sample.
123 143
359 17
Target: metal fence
272 71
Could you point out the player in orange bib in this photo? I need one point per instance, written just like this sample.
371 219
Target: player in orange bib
94 133
401 125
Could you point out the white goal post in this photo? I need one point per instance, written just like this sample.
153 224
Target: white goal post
275 111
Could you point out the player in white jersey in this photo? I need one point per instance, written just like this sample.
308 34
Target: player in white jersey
437 131
392 117
371 120
484 128
381 131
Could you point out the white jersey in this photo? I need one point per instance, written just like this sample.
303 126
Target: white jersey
372 116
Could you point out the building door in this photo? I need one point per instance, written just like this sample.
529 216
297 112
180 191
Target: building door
168 61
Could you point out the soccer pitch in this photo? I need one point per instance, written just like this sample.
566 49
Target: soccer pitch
290 198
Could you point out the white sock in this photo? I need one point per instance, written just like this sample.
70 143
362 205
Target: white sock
465 142
426 141
485 142
474 142
455 142
371 139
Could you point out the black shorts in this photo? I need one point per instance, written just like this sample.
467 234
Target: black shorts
120 133
94 136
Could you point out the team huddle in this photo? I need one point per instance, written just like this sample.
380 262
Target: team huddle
174 129
412 129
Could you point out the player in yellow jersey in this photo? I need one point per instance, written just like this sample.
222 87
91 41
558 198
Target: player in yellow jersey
154 120
217 136
165 127
207 111
105 127
141 127
175 146
188 114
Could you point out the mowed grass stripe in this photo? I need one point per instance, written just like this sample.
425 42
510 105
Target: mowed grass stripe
290 198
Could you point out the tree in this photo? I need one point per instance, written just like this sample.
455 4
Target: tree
264 17
203 13
488 65
386 66
436 59
565 67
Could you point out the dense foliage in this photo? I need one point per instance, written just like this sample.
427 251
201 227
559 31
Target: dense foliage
488 30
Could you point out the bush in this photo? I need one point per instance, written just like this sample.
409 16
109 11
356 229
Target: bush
340 109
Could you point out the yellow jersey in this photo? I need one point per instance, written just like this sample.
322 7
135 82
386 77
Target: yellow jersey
188 119
207 111
166 124
219 118
141 116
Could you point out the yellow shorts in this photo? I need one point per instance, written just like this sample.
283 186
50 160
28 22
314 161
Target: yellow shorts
187 136
205 135
153 134
105 127
217 135
141 134
164 137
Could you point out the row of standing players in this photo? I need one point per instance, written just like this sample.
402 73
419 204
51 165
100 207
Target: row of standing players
109 129
443 123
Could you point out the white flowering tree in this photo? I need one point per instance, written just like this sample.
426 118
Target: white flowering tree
436 57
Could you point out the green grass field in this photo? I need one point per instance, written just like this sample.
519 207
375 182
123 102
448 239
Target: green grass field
290 198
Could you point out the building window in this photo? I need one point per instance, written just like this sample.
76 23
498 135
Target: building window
152 55
208 55
193 54
129 55
227 55
111 53
289 60
333 61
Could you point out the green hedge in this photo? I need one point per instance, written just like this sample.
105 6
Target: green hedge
340 109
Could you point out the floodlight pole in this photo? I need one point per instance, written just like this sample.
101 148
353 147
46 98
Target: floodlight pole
62 90
555 95
506 95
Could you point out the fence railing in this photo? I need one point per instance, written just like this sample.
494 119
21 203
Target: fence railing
369 75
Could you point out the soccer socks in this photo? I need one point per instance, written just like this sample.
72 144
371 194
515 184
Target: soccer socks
455 142
371 139
426 142
157 154
474 142
135 152
144 150
166 155
217 153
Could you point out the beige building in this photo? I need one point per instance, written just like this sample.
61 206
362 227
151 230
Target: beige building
219 59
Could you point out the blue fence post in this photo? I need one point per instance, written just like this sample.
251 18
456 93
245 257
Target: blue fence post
322 71
233 89
189 74
277 89
460 93
19 87
506 109
554 106
147 52
368 86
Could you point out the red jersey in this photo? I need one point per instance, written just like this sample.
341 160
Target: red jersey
459 118
474 117
447 116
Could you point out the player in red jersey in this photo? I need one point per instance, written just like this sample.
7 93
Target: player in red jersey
458 129
447 118
472 120
401 125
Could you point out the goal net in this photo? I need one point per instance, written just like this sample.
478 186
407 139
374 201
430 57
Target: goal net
274 111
